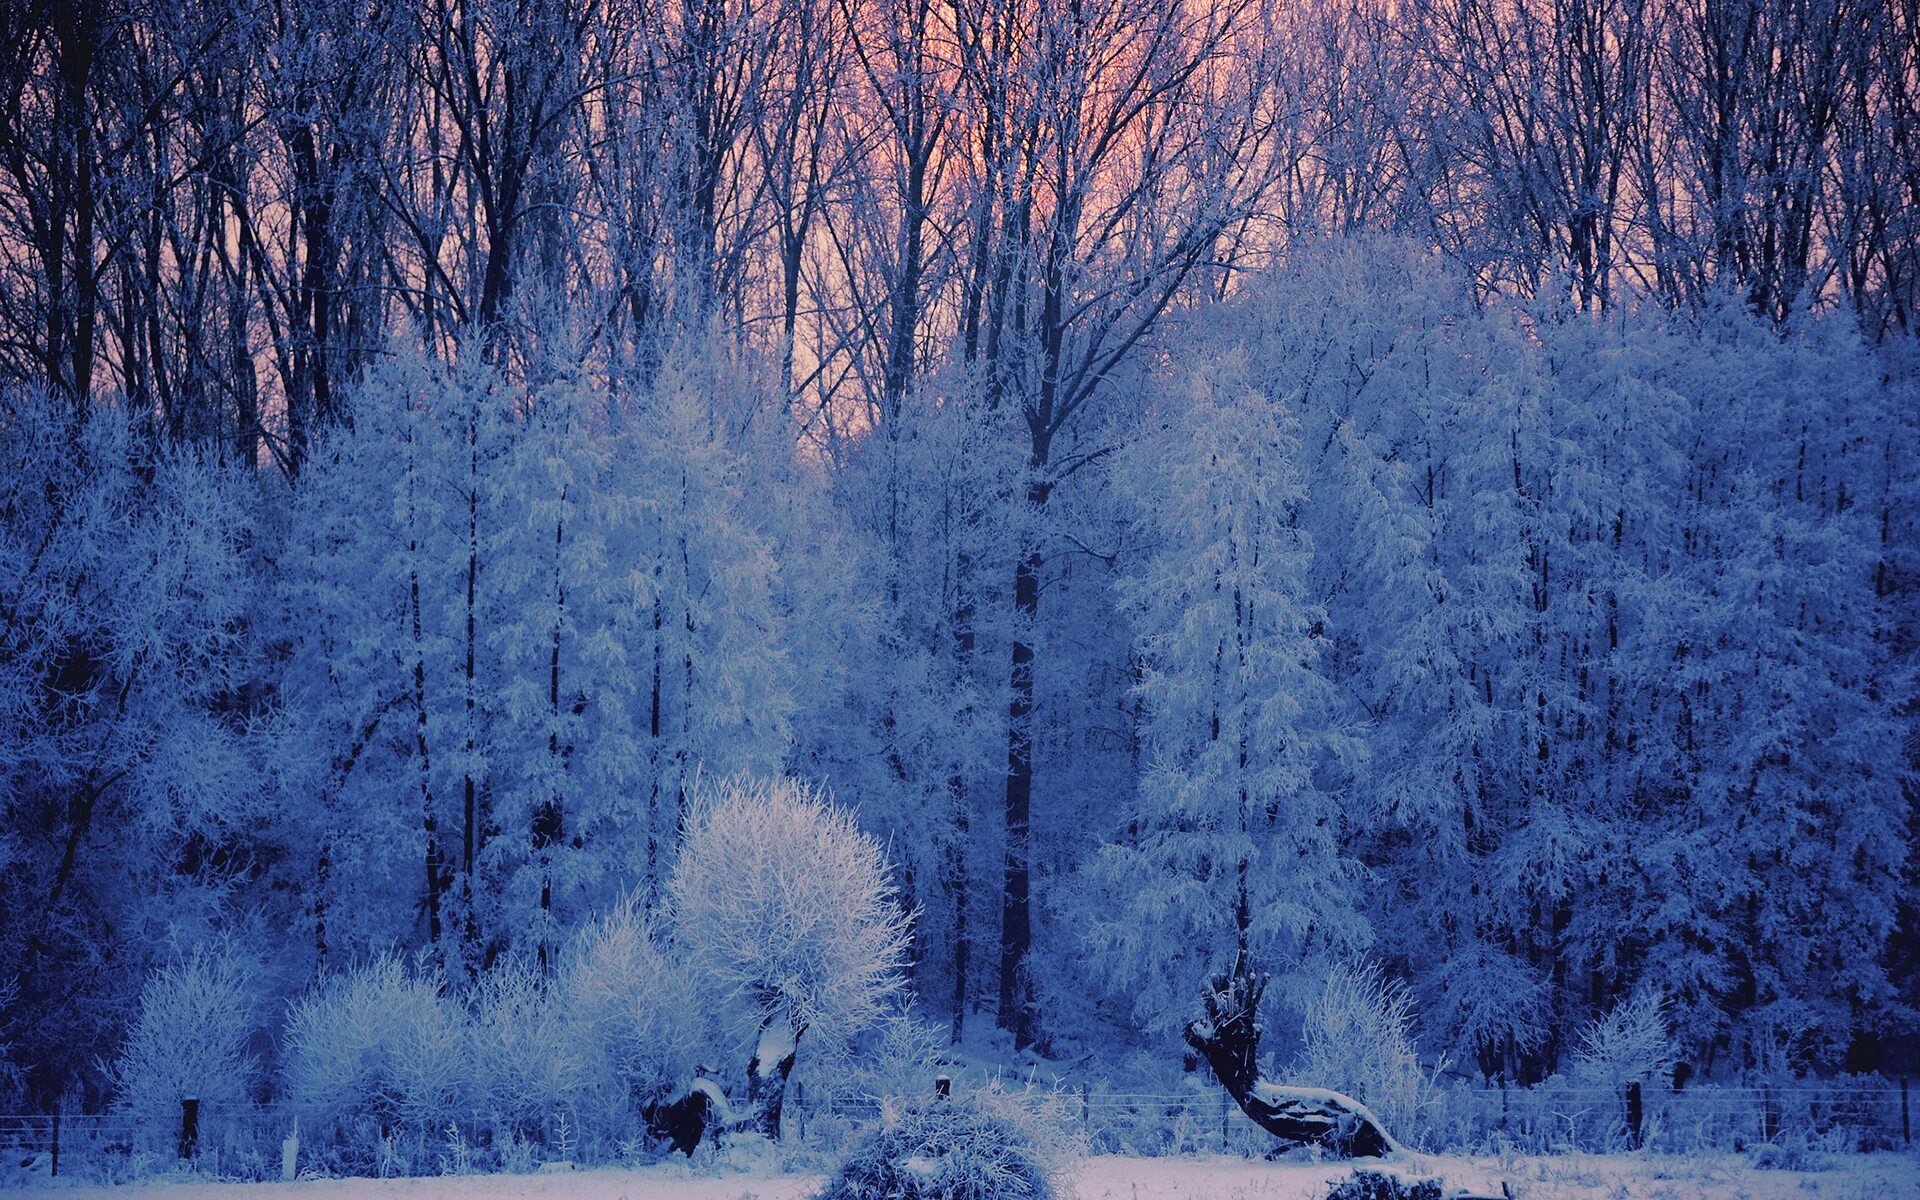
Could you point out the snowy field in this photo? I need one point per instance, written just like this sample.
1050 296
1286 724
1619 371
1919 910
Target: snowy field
1566 1177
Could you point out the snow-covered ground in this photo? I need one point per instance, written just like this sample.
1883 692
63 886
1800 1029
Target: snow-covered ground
1567 1177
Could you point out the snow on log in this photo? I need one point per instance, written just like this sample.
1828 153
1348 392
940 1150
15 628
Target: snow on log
1228 1037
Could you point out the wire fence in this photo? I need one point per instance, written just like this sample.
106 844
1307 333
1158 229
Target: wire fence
248 1141
1850 1115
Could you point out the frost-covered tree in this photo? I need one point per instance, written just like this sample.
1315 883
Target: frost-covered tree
131 694
784 909
380 695
1411 407
1234 844
190 1041
719 688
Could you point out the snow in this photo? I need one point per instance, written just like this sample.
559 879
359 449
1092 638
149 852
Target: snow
722 1111
1563 1177
776 1042
1278 1096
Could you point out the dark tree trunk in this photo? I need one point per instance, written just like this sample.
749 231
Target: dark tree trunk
684 1122
957 881
1016 916
768 1070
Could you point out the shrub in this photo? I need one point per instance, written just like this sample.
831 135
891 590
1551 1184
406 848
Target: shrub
1358 1039
947 1149
189 1040
638 1021
1378 1185
528 1062
1787 1153
379 1042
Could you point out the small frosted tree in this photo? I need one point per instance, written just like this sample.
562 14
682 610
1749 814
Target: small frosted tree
1631 1043
189 1040
784 908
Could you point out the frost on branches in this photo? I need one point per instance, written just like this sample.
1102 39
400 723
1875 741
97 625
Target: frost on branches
785 911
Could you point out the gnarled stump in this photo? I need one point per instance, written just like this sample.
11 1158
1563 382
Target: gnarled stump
686 1121
1228 1037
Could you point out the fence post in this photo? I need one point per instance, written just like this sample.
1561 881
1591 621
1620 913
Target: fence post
943 1085
1906 1120
1634 1113
1224 1115
57 1106
290 1153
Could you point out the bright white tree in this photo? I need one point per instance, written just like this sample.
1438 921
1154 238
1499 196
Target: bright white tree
784 909
189 1040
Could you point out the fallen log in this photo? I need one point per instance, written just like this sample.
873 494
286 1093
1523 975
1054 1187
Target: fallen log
1228 1037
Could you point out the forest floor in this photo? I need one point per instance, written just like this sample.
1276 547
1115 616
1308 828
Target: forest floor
1564 1177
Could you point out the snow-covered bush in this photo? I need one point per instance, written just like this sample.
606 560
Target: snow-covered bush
983 1147
785 911
380 1042
189 1040
528 1062
1357 1038
633 1010
898 1057
1382 1185
1631 1043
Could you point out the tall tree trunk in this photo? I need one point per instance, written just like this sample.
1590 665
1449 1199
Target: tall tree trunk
429 823
1016 916
469 799
549 822
957 878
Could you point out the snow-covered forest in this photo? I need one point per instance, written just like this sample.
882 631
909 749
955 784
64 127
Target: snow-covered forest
1417 496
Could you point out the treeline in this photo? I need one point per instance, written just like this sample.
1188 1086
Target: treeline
220 211
1432 482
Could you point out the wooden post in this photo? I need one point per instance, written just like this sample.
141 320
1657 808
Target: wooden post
1634 1114
1224 1113
943 1086
290 1154
189 1127
1906 1119
56 1136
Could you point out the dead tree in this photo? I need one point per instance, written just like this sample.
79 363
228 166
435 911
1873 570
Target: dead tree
1228 1036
